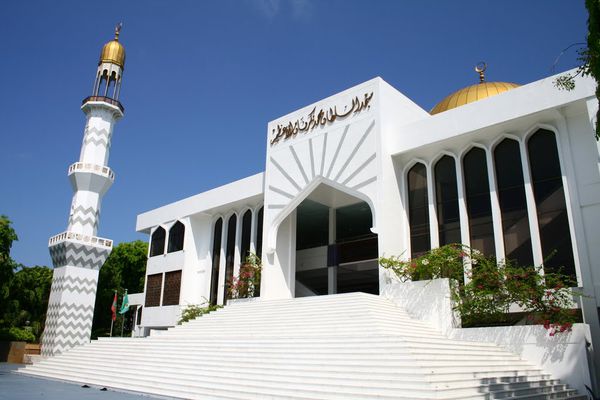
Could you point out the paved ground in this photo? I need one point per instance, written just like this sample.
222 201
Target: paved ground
20 387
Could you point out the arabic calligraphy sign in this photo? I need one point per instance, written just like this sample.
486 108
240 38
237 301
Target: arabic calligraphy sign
319 118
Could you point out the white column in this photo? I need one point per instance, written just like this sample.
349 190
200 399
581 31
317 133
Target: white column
495 205
237 257
536 243
433 221
222 262
464 215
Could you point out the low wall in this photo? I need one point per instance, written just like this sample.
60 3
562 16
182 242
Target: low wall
428 301
563 355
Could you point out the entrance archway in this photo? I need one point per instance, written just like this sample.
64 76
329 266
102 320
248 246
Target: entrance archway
332 245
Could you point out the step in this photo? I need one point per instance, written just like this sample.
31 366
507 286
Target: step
348 346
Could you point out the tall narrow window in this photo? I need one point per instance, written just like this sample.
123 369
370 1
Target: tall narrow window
246 230
446 195
157 245
172 288
418 212
479 207
216 260
546 177
176 234
153 289
513 204
229 252
259 232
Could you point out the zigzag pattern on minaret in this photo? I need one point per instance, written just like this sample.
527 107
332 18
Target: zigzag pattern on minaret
85 216
67 325
97 137
76 285
78 255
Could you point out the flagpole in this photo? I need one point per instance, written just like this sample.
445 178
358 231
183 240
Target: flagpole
123 310
113 309
122 325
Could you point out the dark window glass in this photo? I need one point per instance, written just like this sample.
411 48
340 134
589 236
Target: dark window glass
312 226
216 259
230 252
246 230
353 222
172 288
153 289
479 206
418 210
548 191
446 197
157 245
259 232
139 315
513 204
176 235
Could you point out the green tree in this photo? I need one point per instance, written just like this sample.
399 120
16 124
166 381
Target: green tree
125 268
592 54
7 265
589 56
29 293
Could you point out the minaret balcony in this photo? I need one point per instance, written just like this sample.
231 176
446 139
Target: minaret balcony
68 236
91 177
93 168
105 100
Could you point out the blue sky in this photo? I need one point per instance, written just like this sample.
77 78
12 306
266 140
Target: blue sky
203 78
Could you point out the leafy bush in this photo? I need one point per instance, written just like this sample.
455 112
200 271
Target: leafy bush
247 283
193 311
15 334
491 288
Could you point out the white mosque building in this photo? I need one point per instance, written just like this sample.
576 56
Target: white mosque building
512 171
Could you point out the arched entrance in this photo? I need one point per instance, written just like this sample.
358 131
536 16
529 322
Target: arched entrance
333 249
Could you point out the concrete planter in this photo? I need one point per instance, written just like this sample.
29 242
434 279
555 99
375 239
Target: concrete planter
240 301
12 352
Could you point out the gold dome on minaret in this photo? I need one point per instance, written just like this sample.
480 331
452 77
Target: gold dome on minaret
113 51
473 93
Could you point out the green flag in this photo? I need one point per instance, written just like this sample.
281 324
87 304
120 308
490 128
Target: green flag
124 304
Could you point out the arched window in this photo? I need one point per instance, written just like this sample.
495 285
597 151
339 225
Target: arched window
246 230
216 260
418 211
230 251
446 195
479 207
546 178
176 235
157 244
513 203
259 232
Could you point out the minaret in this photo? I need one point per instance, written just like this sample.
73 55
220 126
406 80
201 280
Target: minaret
78 254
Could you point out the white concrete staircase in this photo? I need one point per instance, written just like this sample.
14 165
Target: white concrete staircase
348 346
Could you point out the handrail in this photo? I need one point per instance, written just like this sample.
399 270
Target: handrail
106 100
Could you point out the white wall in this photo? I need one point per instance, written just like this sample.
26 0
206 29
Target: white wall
563 355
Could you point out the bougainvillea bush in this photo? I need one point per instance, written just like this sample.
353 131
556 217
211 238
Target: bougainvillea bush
247 283
484 293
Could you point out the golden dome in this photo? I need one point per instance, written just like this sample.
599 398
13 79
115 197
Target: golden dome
473 93
113 51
